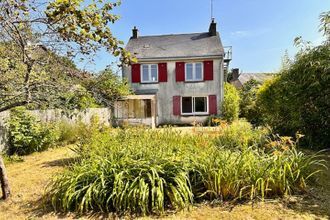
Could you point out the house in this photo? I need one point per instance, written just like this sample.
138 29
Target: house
179 78
239 79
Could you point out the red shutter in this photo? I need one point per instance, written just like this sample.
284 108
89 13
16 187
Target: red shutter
176 105
179 70
162 72
136 73
208 70
213 105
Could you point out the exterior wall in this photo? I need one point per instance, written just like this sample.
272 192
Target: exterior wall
166 91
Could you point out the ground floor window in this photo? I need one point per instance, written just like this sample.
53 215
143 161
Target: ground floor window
194 105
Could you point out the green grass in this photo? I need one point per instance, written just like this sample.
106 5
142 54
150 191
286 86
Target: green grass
146 171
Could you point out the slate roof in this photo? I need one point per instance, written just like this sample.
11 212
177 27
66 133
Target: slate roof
260 77
245 77
176 46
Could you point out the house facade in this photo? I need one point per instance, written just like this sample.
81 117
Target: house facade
183 72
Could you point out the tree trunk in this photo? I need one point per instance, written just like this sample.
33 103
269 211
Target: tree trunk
27 83
4 180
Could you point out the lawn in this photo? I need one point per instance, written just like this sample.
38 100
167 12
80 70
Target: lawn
29 178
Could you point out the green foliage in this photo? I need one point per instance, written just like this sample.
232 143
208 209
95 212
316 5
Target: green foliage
108 87
145 171
27 134
230 104
298 99
39 40
248 97
87 24
70 132
241 135
8 159
77 98
56 84
325 25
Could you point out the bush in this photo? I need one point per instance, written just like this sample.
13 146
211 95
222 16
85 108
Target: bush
27 134
70 132
230 104
241 135
149 171
298 99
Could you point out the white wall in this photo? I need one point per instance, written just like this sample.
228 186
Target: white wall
166 91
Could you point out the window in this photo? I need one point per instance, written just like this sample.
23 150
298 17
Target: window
149 73
194 105
194 72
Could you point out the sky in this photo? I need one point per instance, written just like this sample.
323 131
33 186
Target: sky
259 31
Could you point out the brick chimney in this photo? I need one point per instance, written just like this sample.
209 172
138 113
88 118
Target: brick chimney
213 28
135 33
235 73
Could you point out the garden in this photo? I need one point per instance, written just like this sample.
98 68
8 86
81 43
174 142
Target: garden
137 171
266 155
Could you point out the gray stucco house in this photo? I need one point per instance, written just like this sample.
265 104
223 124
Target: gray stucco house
178 79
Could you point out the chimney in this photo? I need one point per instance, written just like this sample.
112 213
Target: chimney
135 33
213 28
235 73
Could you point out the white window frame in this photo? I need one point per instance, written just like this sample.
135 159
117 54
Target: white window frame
149 73
193 105
194 72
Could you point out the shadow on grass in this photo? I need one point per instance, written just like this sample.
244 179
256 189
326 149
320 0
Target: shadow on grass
61 162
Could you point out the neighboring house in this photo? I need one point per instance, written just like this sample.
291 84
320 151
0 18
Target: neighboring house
239 79
182 75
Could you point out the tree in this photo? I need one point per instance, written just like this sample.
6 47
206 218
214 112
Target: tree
4 180
248 97
107 87
298 98
32 31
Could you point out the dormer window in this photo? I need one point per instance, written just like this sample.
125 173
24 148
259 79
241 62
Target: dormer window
149 73
194 72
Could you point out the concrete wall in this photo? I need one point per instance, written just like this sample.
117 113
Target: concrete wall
166 91
104 115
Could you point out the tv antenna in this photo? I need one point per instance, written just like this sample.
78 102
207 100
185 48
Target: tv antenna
212 9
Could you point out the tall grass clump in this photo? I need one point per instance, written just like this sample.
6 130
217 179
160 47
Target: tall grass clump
240 134
145 171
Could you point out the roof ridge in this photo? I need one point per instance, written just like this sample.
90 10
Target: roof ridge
165 35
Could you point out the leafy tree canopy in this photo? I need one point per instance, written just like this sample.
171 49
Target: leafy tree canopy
299 98
39 38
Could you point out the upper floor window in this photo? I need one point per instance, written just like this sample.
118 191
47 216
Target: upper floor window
194 72
149 73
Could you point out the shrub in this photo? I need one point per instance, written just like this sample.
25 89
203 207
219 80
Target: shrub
27 134
230 104
247 106
241 135
70 132
148 171
298 99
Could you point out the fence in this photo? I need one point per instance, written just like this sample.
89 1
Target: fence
104 115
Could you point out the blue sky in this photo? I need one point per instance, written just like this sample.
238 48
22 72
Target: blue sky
259 31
